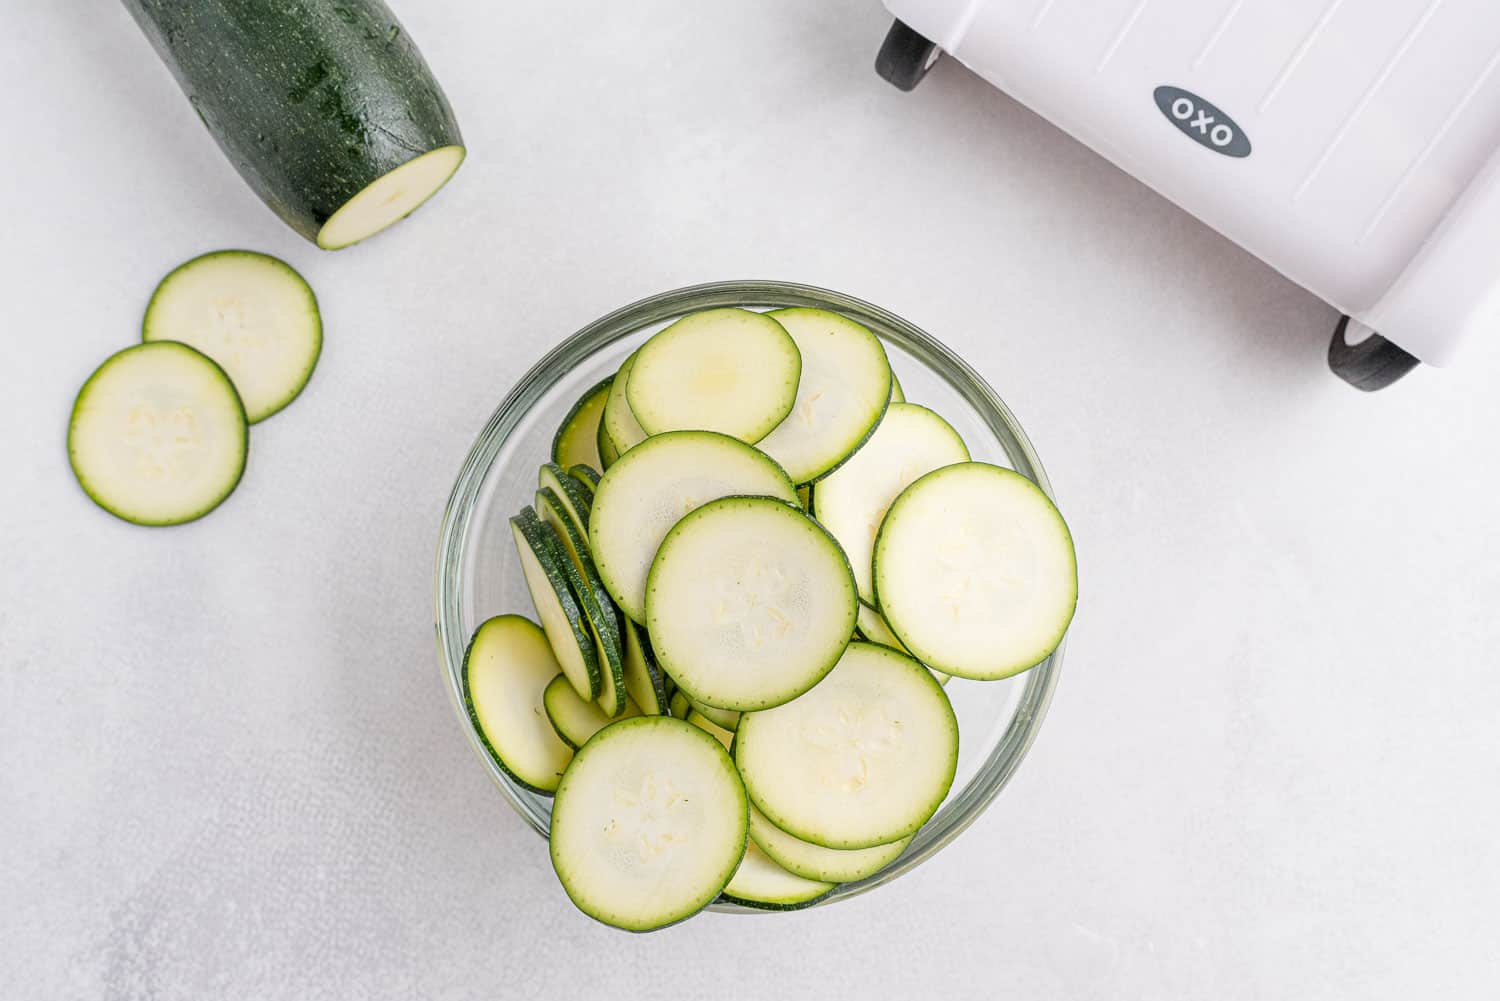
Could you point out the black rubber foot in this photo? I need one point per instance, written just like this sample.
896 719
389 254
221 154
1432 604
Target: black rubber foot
1372 364
905 57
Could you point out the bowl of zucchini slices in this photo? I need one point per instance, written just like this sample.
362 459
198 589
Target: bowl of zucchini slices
750 596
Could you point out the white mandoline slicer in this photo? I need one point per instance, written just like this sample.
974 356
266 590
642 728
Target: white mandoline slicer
1353 145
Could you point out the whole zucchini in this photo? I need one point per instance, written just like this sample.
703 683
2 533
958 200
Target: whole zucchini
325 107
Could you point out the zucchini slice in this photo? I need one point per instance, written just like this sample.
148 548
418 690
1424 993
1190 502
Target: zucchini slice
760 882
577 439
252 314
649 823
652 486
708 726
727 719
873 627
554 583
608 452
644 681
749 602
863 759
680 706
574 719
810 861
158 435
844 389
603 618
587 477
975 571
575 500
506 670
728 370
851 501
619 426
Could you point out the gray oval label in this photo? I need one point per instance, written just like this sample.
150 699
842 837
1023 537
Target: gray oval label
1201 121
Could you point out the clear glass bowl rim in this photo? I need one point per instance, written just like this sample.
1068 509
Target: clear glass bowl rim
964 807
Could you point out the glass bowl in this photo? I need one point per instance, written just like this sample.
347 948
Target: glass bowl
478 574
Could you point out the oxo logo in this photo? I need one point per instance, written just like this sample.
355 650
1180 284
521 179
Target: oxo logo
1201 122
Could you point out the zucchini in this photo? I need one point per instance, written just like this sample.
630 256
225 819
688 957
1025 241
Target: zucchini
575 500
863 759
554 583
975 572
325 107
760 882
728 370
576 442
619 432
653 485
649 824
506 671
587 477
845 385
728 719
851 501
708 726
574 719
680 706
749 602
811 861
644 681
873 627
600 612
158 435
252 314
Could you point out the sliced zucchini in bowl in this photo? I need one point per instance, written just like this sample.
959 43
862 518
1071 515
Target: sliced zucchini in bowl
649 823
619 431
975 571
728 370
760 882
863 759
506 670
652 486
554 583
749 603
600 612
810 861
574 719
844 387
577 439
852 500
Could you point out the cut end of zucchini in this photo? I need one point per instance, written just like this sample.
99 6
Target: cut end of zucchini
158 435
252 314
390 198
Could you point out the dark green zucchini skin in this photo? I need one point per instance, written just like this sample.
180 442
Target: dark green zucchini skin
311 100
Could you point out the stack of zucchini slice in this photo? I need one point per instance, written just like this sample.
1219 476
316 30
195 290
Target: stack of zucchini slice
754 566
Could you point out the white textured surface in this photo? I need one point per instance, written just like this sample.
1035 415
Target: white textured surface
228 768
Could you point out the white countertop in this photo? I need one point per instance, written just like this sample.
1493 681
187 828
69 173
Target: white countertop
228 765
